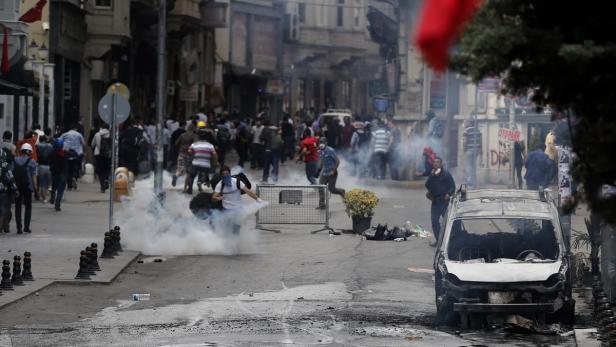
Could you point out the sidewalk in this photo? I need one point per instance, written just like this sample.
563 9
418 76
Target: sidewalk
58 237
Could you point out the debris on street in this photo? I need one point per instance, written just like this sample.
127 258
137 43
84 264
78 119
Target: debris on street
140 297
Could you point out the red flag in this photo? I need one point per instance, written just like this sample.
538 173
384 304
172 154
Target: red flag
441 22
35 13
5 52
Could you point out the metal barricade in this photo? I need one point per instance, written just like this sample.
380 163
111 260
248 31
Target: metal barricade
294 205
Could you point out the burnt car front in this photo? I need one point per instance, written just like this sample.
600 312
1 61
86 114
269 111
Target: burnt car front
502 253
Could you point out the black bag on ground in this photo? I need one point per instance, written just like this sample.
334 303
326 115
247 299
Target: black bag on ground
21 176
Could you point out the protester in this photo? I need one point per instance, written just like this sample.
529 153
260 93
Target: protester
518 161
174 150
471 144
539 169
25 178
441 188
309 152
8 188
272 146
256 160
242 141
288 137
347 134
30 138
183 163
8 146
73 147
130 146
329 170
101 146
381 144
360 142
59 174
45 155
203 159
229 192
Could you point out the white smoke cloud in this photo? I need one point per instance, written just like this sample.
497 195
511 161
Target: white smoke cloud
172 229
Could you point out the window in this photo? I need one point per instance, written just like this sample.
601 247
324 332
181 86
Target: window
321 14
68 80
103 3
357 13
340 13
301 12
301 93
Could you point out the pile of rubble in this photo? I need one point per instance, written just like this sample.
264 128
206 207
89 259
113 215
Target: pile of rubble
383 233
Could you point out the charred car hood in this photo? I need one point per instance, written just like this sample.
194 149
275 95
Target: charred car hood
502 272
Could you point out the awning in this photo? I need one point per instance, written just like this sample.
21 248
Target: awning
18 81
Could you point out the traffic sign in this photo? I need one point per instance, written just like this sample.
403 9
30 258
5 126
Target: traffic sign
119 88
105 108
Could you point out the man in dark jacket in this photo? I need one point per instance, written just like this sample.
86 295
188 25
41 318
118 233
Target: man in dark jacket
441 187
539 169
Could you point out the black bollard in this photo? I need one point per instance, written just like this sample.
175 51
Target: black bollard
6 284
26 275
88 268
119 239
107 254
82 274
94 250
16 279
114 242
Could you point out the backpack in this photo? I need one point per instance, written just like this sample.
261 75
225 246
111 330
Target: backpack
8 156
21 176
276 140
105 147
222 137
364 138
240 177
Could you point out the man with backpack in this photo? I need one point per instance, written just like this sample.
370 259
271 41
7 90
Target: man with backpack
203 158
223 140
25 178
272 146
130 146
229 191
8 187
101 146
45 155
73 146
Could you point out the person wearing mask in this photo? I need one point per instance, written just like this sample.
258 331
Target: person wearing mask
182 144
272 146
381 144
8 188
73 147
24 169
256 159
329 171
441 187
101 146
539 168
45 155
309 151
203 159
59 174
229 192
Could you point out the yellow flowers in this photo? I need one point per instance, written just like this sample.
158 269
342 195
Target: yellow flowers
360 202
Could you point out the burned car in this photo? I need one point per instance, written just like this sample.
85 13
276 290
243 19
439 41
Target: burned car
502 252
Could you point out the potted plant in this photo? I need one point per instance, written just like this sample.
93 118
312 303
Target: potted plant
360 205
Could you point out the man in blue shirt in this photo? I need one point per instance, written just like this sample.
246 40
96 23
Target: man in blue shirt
539 169
73 147
329 170
25 177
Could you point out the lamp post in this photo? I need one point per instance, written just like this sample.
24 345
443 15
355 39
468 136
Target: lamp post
160 99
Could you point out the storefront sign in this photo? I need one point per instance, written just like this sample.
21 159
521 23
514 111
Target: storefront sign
488 85
190 93
381 104
508 134
275 87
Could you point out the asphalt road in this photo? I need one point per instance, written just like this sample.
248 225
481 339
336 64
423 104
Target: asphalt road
296 288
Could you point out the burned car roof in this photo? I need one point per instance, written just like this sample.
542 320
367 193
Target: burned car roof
502 202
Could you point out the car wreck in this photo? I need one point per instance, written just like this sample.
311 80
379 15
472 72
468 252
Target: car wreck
501 253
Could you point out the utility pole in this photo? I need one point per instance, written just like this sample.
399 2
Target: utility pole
160 99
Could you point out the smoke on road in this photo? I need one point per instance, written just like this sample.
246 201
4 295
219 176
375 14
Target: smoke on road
172 229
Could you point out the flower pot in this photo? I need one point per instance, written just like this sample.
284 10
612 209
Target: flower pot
361 224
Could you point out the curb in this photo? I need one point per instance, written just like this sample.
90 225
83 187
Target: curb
587 338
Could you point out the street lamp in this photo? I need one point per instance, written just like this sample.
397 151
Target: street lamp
43 52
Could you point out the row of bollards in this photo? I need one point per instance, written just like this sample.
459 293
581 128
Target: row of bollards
88 259
604 315
19 275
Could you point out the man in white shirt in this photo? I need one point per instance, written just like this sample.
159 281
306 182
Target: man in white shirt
229 192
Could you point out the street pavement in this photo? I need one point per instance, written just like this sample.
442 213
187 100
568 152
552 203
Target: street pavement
57 239
295 288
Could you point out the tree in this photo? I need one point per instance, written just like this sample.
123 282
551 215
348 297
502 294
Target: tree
566 53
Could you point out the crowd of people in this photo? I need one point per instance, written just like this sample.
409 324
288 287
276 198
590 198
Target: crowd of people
39 167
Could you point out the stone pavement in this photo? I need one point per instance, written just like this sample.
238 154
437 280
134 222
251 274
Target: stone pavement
58 237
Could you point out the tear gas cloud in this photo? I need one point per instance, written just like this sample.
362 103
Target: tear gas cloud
172 229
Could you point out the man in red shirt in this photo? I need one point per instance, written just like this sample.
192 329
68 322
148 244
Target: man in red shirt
309 148
347 133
